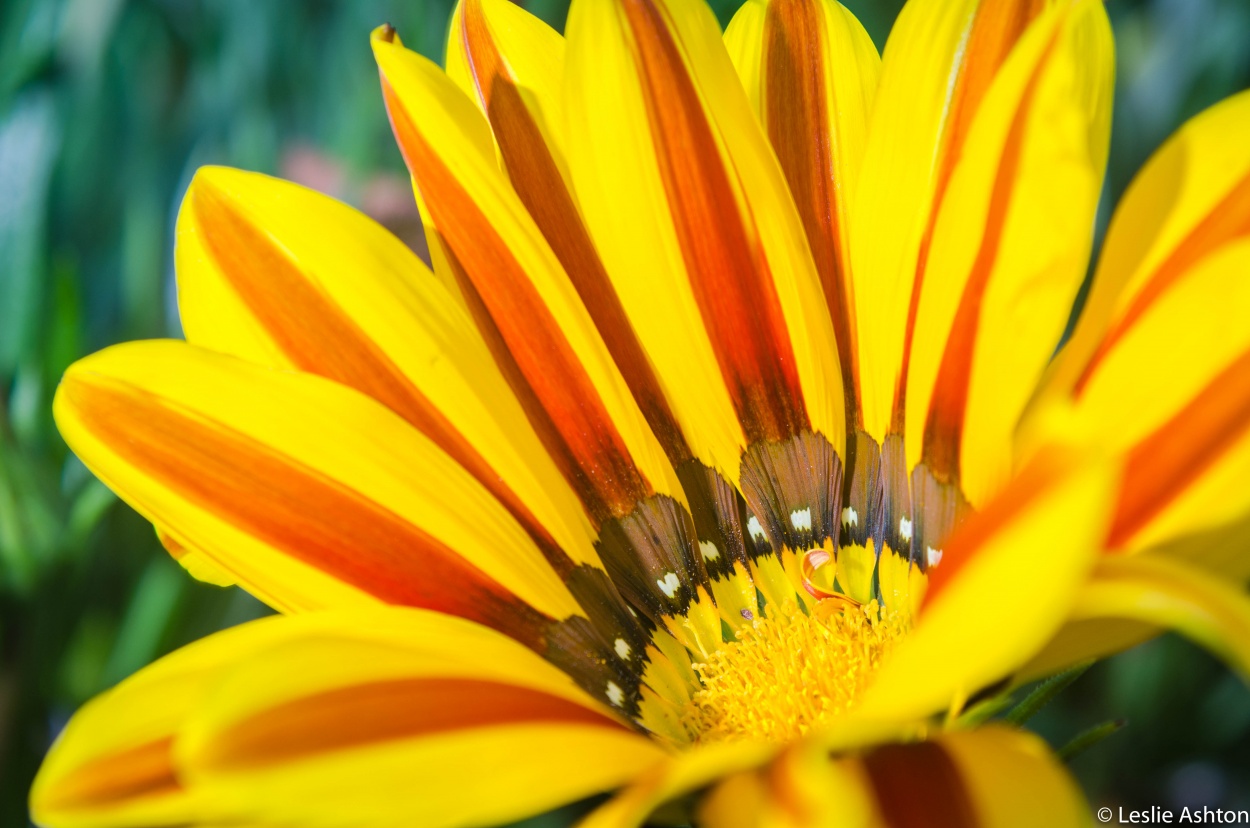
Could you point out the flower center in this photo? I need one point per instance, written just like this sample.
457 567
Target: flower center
791 671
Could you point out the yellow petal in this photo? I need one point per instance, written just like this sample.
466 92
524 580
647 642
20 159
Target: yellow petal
1009 248
284 276
277 473
520 293
512 64
1079 641
113 765
164 746
676 776
1008 779
1153 590
810 71
497 49
407 718
1165 303
1190 199
313 496
801 788
196 563
692 217
1004 584
940 59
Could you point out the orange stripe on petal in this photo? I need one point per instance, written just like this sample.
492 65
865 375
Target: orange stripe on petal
944 425
996 26
295 509
799 129
141 771
536 176
595 458
1161 466
724 259
351 717
1227 221
316 336
961 548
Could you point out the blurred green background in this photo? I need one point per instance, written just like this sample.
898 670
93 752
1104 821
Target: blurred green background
106 109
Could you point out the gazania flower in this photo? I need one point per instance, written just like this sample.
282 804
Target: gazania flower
724 460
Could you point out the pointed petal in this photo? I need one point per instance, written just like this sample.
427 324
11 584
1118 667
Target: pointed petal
1080 641
1189 200
414 718
991 777
810 71
281 275
246 698
520 295
113 763
1005 582
548 346
1168 299
691 215
314 496
940 59
512 64
1162 593
1009 248
801 788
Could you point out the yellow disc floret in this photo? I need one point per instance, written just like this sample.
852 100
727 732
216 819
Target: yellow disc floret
790 672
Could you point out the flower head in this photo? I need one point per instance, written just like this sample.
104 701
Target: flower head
725 450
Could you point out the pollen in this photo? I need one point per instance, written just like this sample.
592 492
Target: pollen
791 671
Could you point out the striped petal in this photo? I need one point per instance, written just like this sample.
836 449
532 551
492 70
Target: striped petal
312 495
692 217
546 341
381 716
1169 300
700 767
939 62
1168 595
810 72
283 276
512 64
519 292
801 788
1009 249
1006 583
113 765
991 777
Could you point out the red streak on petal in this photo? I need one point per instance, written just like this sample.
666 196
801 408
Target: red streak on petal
724 258
1227 221
295 509
796 68
581 437
385 711
145 770
1163 465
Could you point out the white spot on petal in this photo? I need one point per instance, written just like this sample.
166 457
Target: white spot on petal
801 519
757 531
850 517
933 556
709 550
615 694
622 648
904 528
669 584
